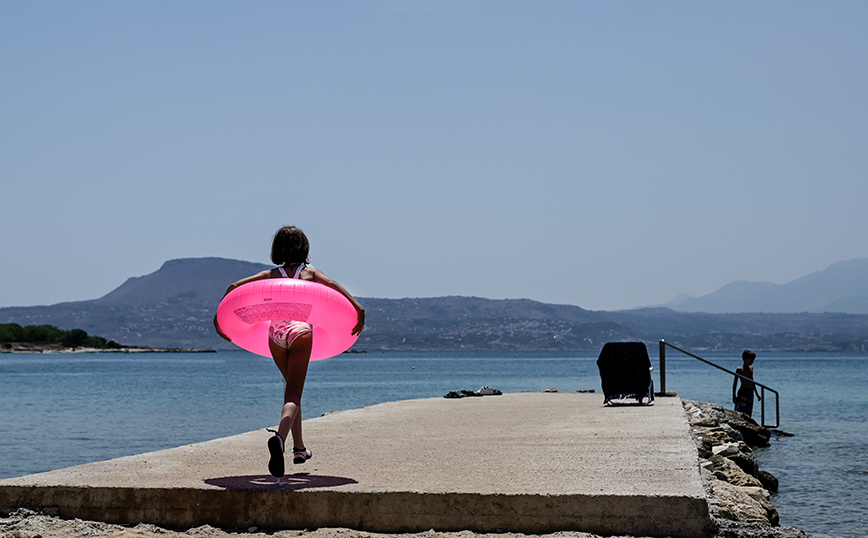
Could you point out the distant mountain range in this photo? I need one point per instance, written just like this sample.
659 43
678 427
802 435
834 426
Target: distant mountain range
174 307
842 287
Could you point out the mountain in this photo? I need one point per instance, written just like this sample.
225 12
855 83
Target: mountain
473 323
842 287
191 280
174 307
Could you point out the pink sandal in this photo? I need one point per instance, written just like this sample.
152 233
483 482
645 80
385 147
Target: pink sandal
301 455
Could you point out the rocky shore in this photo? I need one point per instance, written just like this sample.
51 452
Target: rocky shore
739 492
738 495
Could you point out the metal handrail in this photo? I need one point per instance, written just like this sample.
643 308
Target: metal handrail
763 388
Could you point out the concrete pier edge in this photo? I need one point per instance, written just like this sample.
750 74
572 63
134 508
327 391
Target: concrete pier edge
187 508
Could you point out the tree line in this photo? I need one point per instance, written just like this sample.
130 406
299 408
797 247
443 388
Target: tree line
43 335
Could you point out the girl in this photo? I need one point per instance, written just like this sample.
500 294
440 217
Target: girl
290 342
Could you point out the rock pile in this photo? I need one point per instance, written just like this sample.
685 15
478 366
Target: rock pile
739 493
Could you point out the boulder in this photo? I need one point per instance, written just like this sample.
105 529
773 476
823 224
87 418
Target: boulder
738 529
722 435
726 449
752 433
703 445
697 418
747 462
724 469
726 501
768 480
763 497
738 492
732 432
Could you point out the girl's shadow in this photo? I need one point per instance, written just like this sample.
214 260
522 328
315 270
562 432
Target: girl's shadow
291 482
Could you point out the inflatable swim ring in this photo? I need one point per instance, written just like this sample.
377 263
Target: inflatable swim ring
246 312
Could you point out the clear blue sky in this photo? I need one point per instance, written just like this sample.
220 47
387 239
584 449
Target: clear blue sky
602 154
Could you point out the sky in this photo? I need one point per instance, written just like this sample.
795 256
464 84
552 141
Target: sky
608 155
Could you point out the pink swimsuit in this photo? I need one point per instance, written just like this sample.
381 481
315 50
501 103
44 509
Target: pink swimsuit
284 332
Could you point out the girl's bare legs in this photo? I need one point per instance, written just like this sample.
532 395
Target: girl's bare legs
293 365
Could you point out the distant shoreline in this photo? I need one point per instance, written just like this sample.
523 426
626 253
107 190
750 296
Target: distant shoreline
49 349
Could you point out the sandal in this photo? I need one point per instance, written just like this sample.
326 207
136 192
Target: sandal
275 448
301 455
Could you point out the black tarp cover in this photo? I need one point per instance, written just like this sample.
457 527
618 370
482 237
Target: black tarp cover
625 371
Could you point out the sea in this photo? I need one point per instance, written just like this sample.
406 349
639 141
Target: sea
64 409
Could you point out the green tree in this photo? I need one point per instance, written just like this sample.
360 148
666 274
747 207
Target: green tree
42 334
74 338
11 332
49 334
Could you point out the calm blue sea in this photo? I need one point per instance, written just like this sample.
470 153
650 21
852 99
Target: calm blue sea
58 410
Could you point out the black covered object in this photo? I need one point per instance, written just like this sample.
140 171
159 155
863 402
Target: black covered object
625 371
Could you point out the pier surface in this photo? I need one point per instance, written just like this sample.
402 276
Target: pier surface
523 462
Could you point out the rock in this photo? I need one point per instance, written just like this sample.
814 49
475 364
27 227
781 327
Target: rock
732 432
752 433
747 462
737 529
763 497
722 436
716 413
729 502
768 481
702 420
726 449
739 494
703 446
730 472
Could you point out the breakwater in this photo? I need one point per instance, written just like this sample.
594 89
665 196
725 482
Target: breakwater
739 492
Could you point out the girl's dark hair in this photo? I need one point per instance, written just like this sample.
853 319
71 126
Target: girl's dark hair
290 245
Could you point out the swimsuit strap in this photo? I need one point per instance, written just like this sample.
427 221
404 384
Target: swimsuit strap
284 274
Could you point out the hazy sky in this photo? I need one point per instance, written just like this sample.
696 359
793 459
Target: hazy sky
602 154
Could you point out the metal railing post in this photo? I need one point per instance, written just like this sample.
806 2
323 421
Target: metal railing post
662 367
762 405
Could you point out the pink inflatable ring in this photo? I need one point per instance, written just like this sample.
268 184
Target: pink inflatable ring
246 312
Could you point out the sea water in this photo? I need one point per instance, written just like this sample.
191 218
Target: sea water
58 410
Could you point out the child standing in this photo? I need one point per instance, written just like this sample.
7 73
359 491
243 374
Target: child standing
290 341
743 399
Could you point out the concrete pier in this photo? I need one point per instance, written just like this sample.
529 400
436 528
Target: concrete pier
524 462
